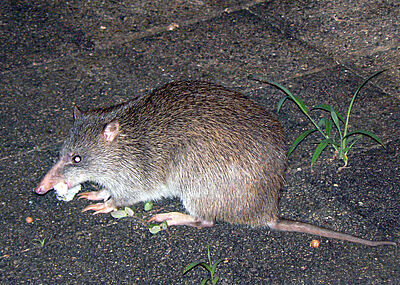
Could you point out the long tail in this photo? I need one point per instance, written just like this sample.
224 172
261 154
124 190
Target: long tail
292 226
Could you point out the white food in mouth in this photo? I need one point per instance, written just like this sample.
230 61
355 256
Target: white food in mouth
65 194
61 188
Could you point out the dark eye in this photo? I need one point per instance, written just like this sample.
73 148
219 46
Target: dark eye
76 159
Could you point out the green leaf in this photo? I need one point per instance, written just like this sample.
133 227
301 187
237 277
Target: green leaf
215 280
206 266
300 103
322 145
119 214
369 78
366 133
164 225
39 241
205 280
154 228
129 211
336 121
328 128
329 109
299 139
354 98
281 103
148 206
352 141
322 122
214 267
296 99
362 85
191 266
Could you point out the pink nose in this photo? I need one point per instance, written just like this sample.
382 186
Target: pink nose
40 190
45 186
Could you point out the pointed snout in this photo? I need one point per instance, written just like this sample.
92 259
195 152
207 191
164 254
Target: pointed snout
47 183
52 178
42 188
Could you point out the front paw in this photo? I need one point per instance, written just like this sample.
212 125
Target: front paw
95 195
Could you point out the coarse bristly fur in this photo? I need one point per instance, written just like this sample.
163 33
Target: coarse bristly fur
221 153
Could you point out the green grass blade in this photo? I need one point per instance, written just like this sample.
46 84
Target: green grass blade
362 85
327 108
296 99
281 103
336 121
354 98
322 145
300 103
299 139
191 266
365 133
205 280
205 266
322 122
328 128
351 139
215 281
214 267
324 107
352 142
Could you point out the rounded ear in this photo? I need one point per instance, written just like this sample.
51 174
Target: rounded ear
77 112
110 131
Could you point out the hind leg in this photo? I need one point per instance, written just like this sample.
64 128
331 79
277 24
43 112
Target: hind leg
180 219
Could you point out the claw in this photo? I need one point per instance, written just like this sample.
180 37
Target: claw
89 196
93 207
100 208
95 195
104 211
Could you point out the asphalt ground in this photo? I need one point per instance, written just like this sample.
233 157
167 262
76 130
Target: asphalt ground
98 53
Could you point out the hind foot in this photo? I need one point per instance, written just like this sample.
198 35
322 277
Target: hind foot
101 208
180 219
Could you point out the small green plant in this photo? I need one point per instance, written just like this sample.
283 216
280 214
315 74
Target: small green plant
325 126
39 241
122 213
128 212
156 228
148 206
210 267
